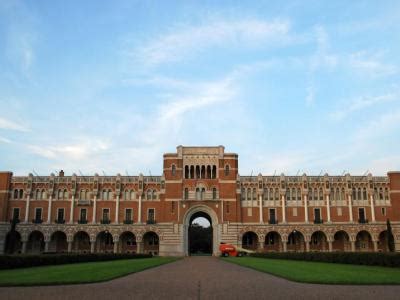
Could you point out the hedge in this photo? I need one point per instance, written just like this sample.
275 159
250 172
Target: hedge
26 261
355 258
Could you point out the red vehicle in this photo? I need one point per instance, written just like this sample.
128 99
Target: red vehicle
230 250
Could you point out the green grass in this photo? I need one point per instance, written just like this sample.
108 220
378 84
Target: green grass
78 273
320 272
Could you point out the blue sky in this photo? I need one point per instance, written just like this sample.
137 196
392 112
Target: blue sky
304 86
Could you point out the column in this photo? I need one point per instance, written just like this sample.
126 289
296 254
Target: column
139 244
49 210
330 246
27 209
375 246
94 210
46 246
69 246
116 243
371 197
140 210
71 215
284 243
92 244
23 249
117 210
305 209
328 208
350 208
307 246
283 209
261 209
222 211
353 246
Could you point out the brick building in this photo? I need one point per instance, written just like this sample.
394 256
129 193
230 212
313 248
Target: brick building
154 213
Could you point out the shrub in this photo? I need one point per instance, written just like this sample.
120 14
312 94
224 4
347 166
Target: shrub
356 258
25 261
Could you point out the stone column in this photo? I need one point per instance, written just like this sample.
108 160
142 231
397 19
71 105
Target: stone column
116 243
49 210
330 245
222 211
261 209
92 245
350 207
23 249
117 211
353 245
46 246
27 209
71 216
305 209
139 244
375 243
94 210
283 209
140 210
328 208
371 198
284 243
69 246
307 246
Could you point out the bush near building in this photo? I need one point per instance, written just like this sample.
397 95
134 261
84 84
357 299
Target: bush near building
26 261
356 258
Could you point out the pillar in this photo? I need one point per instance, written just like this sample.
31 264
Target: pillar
27 209
261 209
307 246
116 243
283 209
284 243
46 246
330 246
353 246
305 209
23 249
117 210
71 216
94 210
371 197
49 210
69 246
140 210
222 211
375 243
139 246
328 208
92 245
350 208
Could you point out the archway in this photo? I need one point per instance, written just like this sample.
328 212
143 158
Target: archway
383 242
35 243
341 241
364 241
13 242
200 235
273 241
318 241
296 241
151 243
58 242
81 242
127 242
104 242
250 240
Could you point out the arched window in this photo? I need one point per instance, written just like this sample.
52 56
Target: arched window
37 196
65 196
332 194
248 194
386 194
186 172
198 194
15 194
82 195
321 194
44 194
105 194
315 194
203 192
87 195
203 172
60 194
276 194
243 194
365 194
359 194
126 195
132 195
208 176
254 194
294 194
110 195
338 195
271 194
214 193
154 194
298 194
380 194
186 194
214 172
226 170
191 172
173 170
287 194
197 171
354 194
21 194
148 194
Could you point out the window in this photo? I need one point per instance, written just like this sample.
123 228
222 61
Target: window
321 194
105 195
248 194
298 194
354 194
198 194
172 207
226 170
37 195
317 214
15 215
254 194
82 195
186 195
214 193
65 196
128 214
276 194
154 195
60 194
21 194
383 211
127 195
60 214
359 194
365 194
132 195
44 194
151 215
38 214
83 214
386 194
203 192
106 214
15 194
148 194
361 215
272 217
380 194
186 172
294 196
173 170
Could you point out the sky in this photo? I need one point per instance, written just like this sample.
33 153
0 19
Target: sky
107 87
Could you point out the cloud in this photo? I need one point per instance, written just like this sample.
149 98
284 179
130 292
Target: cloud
371 65
4 140
183 42
384 124
360 103
10 125
322 58
310 98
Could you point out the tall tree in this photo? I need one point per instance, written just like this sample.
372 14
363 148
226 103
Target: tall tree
390 238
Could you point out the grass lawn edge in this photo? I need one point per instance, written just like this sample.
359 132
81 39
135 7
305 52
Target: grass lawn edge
173 259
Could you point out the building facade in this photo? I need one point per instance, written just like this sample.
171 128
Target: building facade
153 214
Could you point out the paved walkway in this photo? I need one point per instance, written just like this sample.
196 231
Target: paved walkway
201 278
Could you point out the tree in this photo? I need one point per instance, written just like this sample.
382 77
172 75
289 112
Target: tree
390 238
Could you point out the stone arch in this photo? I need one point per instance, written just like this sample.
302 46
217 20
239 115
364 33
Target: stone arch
296 241
151 243
58 242
273 242
341 241
127 242
13 242
383 241
81 242
250 240
364 241
104 242
319 241
214 223
36 242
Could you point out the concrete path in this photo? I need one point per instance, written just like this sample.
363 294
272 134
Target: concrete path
201 278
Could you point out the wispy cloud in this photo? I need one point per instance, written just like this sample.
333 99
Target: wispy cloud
4 140
360 103
10 125
183 42
371 65
384 124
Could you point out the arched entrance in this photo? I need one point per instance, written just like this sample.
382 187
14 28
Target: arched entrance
151 243
211 216
200 234
250 240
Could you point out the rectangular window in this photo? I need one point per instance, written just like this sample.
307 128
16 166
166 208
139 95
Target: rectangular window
172 207
249 212
339 211
383 210
60 214
128 214
361 215
272 216
38 213
294 211
83 214
151 215
317 215
227 208
15 215
106 214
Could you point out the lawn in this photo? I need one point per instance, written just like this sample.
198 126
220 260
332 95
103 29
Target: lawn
319 272
78 273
